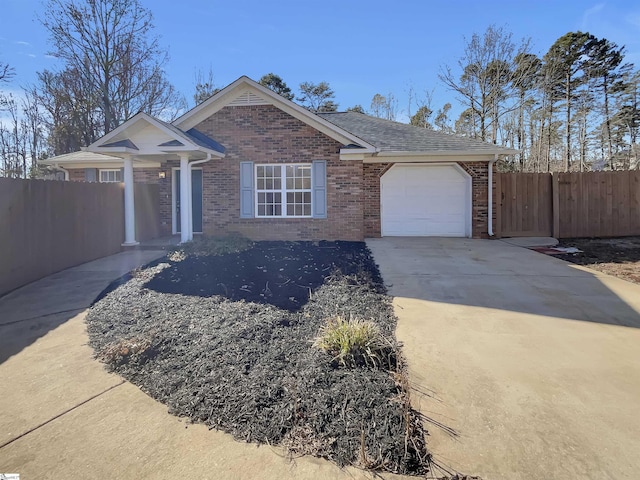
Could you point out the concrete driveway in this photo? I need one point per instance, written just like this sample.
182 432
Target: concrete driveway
535 363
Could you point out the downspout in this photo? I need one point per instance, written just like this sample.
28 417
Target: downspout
490 196
66 172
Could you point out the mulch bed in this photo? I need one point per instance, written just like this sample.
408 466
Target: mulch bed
615 256
227 341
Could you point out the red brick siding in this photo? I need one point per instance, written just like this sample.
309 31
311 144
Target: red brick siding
372 174
146 175
76 174
479 177
479 172
265 134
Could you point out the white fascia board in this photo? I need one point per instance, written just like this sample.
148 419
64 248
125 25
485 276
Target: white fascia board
410 157
68 165
98 147
220 100
187 149
451 153
120 152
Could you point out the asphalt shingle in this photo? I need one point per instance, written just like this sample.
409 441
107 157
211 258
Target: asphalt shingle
400 137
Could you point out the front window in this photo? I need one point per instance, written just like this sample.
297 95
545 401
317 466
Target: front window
283 190
110 175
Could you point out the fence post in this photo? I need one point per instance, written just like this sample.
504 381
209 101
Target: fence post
555 204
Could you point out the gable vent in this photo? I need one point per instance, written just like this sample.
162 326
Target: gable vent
248 98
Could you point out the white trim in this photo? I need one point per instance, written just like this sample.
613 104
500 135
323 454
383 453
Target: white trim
283 190
174 223
468 192
129 204
225 96
189 145
116 170
410 158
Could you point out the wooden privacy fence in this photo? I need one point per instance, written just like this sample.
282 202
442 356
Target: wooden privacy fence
47 226
565 205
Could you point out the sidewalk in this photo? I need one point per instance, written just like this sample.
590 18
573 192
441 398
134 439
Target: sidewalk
63 416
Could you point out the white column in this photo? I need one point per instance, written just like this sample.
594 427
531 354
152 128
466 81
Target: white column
185 195
190 176
129 205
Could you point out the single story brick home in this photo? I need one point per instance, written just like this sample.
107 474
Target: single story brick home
252 162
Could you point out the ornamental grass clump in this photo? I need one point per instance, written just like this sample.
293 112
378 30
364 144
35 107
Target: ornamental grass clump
355 343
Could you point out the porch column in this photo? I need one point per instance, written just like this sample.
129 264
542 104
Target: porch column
190 177
185 195
129 204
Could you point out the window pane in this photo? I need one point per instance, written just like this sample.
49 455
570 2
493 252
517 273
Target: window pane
306 197
277 183
261 210
290 182
307 210
306 183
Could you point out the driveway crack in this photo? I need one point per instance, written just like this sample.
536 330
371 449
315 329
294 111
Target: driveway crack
9 442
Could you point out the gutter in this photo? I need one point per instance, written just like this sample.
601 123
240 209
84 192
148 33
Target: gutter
198 162
490 197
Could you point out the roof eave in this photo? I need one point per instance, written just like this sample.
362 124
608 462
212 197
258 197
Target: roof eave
218 101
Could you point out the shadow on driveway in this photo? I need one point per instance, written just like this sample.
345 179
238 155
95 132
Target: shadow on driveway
30 312
494 274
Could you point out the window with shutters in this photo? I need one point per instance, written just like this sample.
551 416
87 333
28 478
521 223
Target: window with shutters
110 175
283 190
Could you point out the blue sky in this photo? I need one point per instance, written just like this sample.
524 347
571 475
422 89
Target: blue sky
359 47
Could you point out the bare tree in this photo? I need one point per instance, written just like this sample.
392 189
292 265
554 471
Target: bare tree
109 44
6 72
486 79
205 86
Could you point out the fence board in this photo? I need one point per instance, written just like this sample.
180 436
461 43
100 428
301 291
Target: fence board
598 204
524 204
48 226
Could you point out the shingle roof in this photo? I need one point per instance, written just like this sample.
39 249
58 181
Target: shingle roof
121 143
399 137
196 137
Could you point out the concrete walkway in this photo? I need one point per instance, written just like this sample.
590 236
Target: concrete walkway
533 361
63 416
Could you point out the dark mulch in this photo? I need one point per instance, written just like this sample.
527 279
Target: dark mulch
227 341
615 256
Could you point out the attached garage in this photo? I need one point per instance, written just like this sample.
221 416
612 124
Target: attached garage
426 200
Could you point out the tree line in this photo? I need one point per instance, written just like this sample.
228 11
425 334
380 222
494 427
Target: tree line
573 108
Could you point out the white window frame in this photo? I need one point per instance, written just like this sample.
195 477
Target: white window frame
283 190
117 170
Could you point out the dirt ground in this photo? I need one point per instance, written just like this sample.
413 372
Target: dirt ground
615 256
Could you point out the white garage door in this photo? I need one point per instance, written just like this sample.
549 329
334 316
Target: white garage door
425 200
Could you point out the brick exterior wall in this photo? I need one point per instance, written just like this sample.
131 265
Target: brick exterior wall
76 174
265 134
479 172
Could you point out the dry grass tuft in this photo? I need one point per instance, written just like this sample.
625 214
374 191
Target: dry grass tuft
355 342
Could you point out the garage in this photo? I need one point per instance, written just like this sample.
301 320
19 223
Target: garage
426 200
